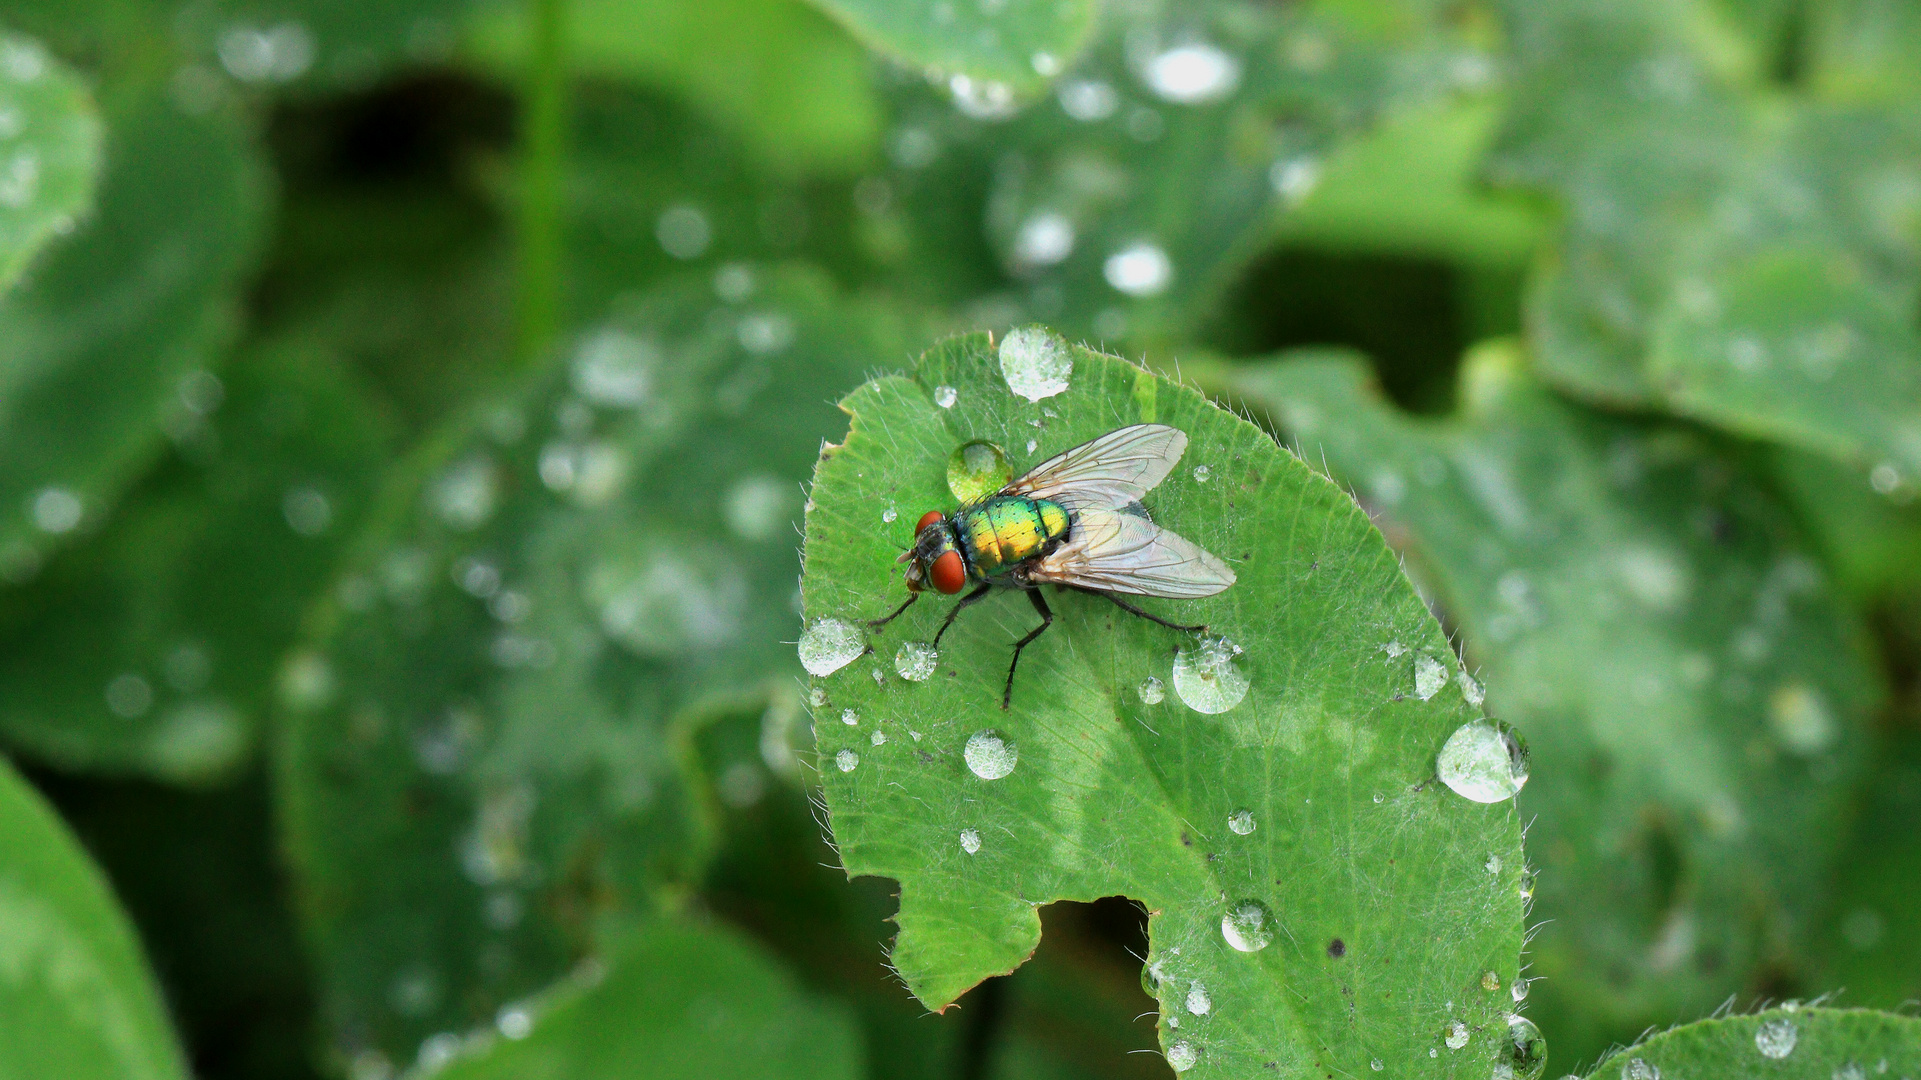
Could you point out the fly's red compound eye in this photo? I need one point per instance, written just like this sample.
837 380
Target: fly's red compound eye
932 517
948 574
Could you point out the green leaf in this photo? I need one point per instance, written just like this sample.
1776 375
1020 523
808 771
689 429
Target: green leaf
1392 911
1868 527
1792 1043
799 95
1872 935
482 762
1863 50
1692 687
152 646
95 345
676 999
1016 43
76 998
49 152
1166 158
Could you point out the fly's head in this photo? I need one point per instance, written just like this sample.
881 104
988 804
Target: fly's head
935 558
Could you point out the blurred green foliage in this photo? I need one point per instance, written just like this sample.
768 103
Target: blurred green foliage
400 498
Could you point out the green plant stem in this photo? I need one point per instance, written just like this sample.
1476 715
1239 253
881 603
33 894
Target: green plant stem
543 157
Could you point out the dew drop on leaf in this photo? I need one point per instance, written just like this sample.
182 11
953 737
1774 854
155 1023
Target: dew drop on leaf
1484 761
1035 362
976 470
945 396
1429 676
1636 1069
970 841
1151 691
1526 1048
1518 990
1198 1002
915 661
1457 1035
1776 1038
849 717
817 697
827 645
989 755
1248 926
847 760
1206 679
1376 1065
1202 473
878 738
1241 822
1183 1055
888 515
1490 981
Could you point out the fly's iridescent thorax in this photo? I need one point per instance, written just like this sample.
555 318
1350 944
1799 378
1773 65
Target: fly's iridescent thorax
999 533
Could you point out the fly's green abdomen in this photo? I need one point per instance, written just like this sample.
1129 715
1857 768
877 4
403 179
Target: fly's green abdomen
1002 532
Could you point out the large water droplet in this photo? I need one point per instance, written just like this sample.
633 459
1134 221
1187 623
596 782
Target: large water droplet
1198 1002
1035 362
1485 761
1776 1038
1183 1055
1151 691
847 760
1429 676
970 841
915 661
990 755
1526 1048
976 470
827 645
1636 1069
1241 822
1206 679
1248 926
1193 74
1139 269
1456 1035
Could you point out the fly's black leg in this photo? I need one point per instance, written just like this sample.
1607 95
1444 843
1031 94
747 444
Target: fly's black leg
876 624
1047 620
1149 616
974 597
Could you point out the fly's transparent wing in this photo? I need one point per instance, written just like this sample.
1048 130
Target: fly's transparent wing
1124 553
1109 472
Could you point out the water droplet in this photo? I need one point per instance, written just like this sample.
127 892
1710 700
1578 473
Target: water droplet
990 755
684 231
817 697
915 661
1193 74
888 515
1088 100
465 494
1485 761
1429 676
847 760
614 369
1801 719
1151 691
976 470
1776 1038
1139 269
1044 239
55 510
1241 822
1045 64
878 738
970 841
945 396
1490 981
514 1022
1472 691
1518 990
1035 362
1202 474
1198 1002
1636 1069
1456 1036
1294 179
1492 865
1376 1065
1526 1048
1394 650
827 645
1183 1055
1248 926
1206 679
849 717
